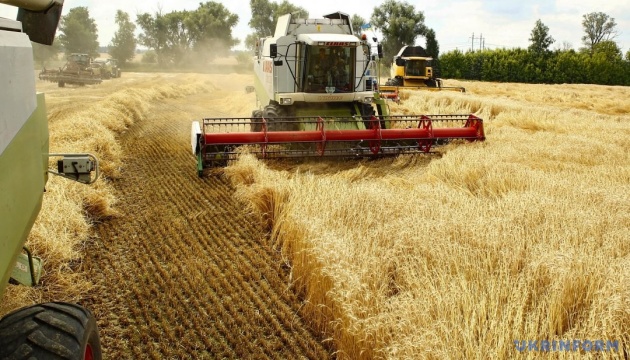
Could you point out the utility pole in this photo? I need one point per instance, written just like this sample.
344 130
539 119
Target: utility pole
481 42
472 43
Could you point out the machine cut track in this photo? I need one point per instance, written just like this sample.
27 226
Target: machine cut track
184 272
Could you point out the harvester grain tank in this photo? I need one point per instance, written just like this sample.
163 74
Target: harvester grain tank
314 98
50 330
412 68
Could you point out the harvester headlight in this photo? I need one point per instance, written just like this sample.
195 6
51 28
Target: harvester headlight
368 99
286 101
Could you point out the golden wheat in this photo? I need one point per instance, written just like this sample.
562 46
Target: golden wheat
522 237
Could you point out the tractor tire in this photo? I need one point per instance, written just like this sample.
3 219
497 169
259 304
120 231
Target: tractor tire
277 120
61 84
256 121
394 82
50 331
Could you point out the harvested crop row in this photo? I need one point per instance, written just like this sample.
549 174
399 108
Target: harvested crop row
173 271
180 272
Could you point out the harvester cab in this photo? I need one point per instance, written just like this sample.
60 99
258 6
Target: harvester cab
314 84
412 68
309 63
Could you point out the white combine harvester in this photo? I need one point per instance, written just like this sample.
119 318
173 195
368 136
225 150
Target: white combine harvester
314 98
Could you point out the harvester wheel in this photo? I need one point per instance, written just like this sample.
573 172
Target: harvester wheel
256 121
367 111
276 119
50 331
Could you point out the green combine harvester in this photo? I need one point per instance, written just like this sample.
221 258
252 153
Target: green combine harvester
51 330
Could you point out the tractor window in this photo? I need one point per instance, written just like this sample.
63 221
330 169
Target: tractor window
330 69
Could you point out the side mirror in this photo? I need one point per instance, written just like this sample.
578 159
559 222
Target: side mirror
40 26
400 62
273 51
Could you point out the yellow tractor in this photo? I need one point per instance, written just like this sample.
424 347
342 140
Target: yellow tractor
411 69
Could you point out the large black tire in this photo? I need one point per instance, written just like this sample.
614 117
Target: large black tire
256 121
277 120
50 331
394 82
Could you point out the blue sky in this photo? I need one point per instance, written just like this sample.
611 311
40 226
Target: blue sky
501 23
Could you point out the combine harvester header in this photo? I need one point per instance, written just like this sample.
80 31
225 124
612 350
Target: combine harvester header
216 141
316 98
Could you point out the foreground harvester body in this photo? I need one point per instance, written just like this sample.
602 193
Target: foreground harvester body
78 70
315 98
411 69
55 329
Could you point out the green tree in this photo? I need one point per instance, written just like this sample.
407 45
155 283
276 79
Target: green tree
206 31
431 46
598 27
399 23
149 57
628 55
210 29
357 21
265 15
540 38
609 50
78 32
433 49
166 34
123 45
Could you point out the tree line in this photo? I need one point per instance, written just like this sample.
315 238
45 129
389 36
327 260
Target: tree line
178 37
599 61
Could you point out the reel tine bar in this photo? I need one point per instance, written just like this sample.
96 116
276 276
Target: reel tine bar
330 136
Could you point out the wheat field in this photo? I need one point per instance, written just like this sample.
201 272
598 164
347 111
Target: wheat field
525 236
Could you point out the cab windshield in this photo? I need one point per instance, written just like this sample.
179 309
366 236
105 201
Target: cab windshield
329 69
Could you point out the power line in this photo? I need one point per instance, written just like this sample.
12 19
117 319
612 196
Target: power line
482 42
